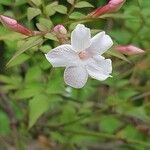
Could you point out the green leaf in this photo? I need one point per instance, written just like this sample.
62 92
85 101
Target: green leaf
5 79
127 93
33 12
45 48
50 9
38 105
20 2
19 60
51 36
61 9
117 54
109 124
44 24
34 41
37 2
69 113
11 80
70 1
58 137
6 2
33 89
83 4
4 124
40 27
33 74
121 36
129 132
138 112
11 36
57 86
76 15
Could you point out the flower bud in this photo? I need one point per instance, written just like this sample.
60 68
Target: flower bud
61 33
112 6
60 30
116 4
14 26
129 49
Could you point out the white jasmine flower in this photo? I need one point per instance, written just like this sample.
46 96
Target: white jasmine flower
82 58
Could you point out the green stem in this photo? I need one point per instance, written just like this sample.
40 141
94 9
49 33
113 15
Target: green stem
70 11
89 19
109 136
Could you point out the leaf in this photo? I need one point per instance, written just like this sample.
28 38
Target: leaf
40 27
34 41
4 124
138 112
83 4
45 48
7 88
19 60
58 137
33 12
117 54
5 79
37 2
51 36
50 9
61 9
57 87
38 105
69 113
44 24
20 2
33 74
11 36
109 124
31 90
129 132
11 80
76 15
6 2
70 2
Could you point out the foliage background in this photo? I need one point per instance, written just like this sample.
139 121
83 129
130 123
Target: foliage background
38 111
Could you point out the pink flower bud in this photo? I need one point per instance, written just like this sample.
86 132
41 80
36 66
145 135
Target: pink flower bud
129 49
60 30
112 6
14 26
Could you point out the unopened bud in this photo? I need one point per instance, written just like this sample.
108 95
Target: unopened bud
116 4
14 26
112 6
61 33
60 29
129 49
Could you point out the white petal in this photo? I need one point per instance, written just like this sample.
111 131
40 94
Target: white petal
62 56
99 68
80 38
100 43
75 76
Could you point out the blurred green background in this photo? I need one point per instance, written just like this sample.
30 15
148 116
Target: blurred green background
39 112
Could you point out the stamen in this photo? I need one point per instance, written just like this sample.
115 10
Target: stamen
83 55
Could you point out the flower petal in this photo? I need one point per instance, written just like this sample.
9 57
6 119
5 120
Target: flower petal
100 43
99 68
76 76
80 38
62 56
